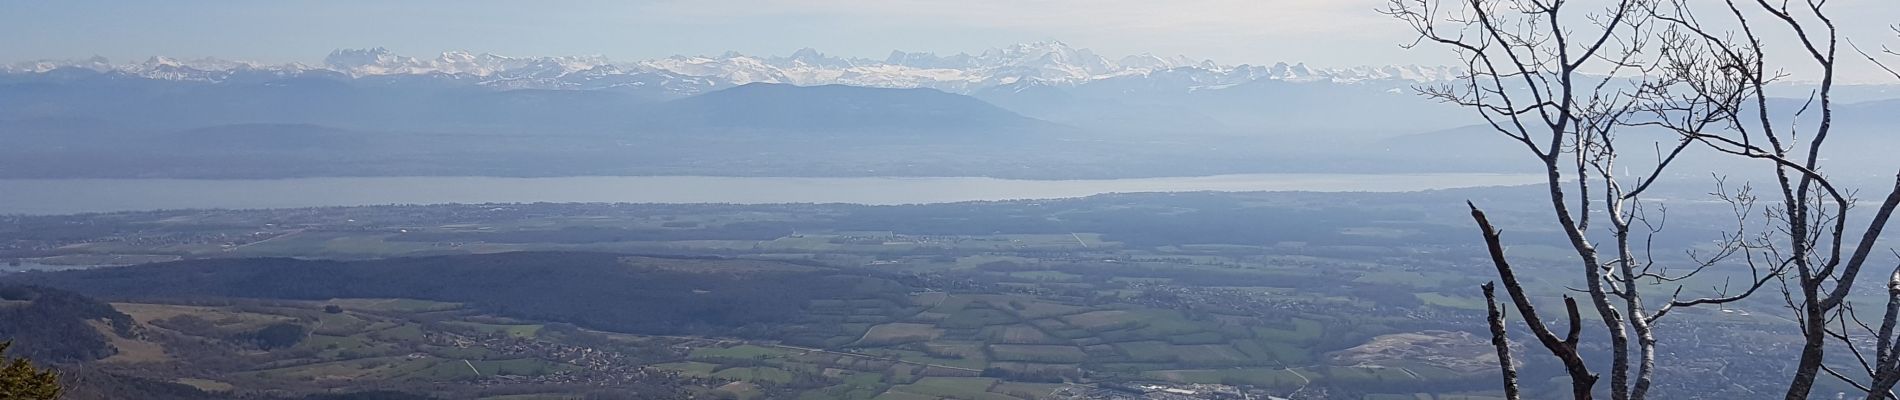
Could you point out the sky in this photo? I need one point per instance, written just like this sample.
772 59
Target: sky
1320 32
1231 31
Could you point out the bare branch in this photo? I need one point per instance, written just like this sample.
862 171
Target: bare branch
1501 341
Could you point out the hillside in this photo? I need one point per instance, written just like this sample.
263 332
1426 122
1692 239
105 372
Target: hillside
58 326
841 109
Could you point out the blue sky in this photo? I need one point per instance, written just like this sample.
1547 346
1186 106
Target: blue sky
1227 30
1322 32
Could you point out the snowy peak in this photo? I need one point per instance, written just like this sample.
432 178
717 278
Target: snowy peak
95 63
1051 63
1155 63
1042 54
736 68
358 59
811 58
930 60
1303 73
381 61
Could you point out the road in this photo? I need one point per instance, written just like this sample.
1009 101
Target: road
286 234
1307 382
812 350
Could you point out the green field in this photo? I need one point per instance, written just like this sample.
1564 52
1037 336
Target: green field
954 388
742 352
979 300
895 333
1458 302
755 374
528 330
1268 377
691 368
1048 354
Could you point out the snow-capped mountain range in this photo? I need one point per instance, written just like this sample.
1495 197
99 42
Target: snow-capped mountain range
1042 63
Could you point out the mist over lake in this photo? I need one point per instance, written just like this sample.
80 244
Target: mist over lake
62 196
757 200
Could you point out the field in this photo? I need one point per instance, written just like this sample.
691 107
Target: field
1037 353
745 351
935 347
1268 377
370 340
755 374
895 333
525 330
954 388
996 299
692 368
942 340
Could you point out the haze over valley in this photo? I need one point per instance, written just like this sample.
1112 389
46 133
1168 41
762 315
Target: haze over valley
1040 111
690 200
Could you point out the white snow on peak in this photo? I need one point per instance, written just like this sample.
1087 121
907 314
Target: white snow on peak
1038 63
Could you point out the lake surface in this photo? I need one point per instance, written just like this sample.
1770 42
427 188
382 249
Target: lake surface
6 267
65 196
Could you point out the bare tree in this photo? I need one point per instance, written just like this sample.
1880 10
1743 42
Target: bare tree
1876 376
1810 234
1565 82
1885 372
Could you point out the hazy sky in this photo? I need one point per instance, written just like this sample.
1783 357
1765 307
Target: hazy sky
1228 30
1323 32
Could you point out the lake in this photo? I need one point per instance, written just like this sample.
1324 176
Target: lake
7 267
65 196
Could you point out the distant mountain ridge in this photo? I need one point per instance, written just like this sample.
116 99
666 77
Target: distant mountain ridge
841 109
1052 81
1046 63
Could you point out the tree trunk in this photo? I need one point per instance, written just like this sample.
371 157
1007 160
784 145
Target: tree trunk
1581 379
1502 341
